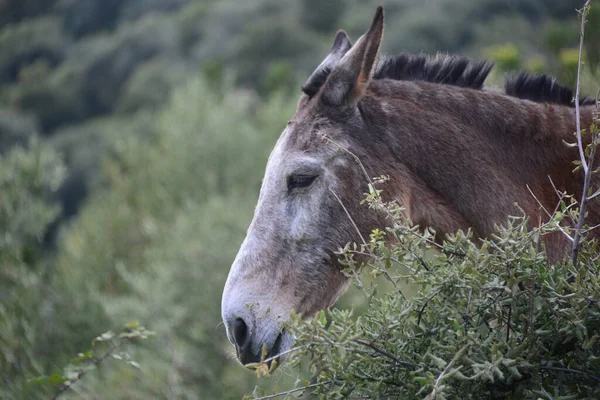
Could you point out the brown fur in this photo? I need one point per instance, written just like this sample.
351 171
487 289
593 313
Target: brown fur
462 158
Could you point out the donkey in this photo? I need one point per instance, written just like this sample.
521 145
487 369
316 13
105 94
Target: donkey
458 157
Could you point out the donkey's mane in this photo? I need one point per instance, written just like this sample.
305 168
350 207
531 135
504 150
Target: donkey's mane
541 89
444 69
460 71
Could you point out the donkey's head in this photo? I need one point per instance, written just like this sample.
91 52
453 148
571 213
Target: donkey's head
310 189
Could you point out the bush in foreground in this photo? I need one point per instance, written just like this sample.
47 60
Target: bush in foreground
488 320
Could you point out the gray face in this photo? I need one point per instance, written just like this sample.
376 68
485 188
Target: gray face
286 263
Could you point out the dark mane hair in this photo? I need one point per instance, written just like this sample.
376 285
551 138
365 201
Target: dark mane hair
443 69
460 71
541 89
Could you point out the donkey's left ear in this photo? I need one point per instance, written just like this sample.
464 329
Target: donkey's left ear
348 81
340 47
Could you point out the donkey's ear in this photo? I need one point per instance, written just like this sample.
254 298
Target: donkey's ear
349 79
341 45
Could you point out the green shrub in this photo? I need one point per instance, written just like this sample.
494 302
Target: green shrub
493 320
26 179
536 64
321 16
16 129
506 57
569 59
150 86
489 320
280 77
30 41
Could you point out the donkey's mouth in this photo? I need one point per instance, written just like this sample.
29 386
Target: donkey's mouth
272 356
274 353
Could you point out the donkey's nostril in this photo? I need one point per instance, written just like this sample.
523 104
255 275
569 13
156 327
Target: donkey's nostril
240 333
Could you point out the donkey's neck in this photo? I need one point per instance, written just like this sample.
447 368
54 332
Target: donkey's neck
471 154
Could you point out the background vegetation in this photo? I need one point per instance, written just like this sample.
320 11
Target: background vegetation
133 136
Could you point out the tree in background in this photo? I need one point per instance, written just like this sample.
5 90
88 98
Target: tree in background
321 16
27 177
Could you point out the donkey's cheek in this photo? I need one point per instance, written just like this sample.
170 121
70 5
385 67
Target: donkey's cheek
303 224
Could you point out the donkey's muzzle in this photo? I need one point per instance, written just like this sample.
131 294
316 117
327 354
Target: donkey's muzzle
248 351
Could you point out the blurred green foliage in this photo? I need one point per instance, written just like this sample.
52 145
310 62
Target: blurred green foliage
133 137
157 247
26 178
506 57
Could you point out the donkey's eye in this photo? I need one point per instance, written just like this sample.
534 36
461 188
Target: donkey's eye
300 181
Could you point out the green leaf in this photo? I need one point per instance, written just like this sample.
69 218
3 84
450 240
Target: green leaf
322 318
132 325
57 379
51 379
421 379
106 336
82 357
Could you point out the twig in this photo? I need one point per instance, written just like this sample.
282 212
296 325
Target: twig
418 257
349 216
361 237
421 311
572 371
594 195
590 229
371 379
83 372
560 228
584 13
359 234
468 309
538 201
508 323
561 196
532 278
276 356
366 174
387 354
354 156
586 167
545 393
434 392
394 259
272 396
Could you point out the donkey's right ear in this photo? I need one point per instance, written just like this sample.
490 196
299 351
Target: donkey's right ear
341 45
